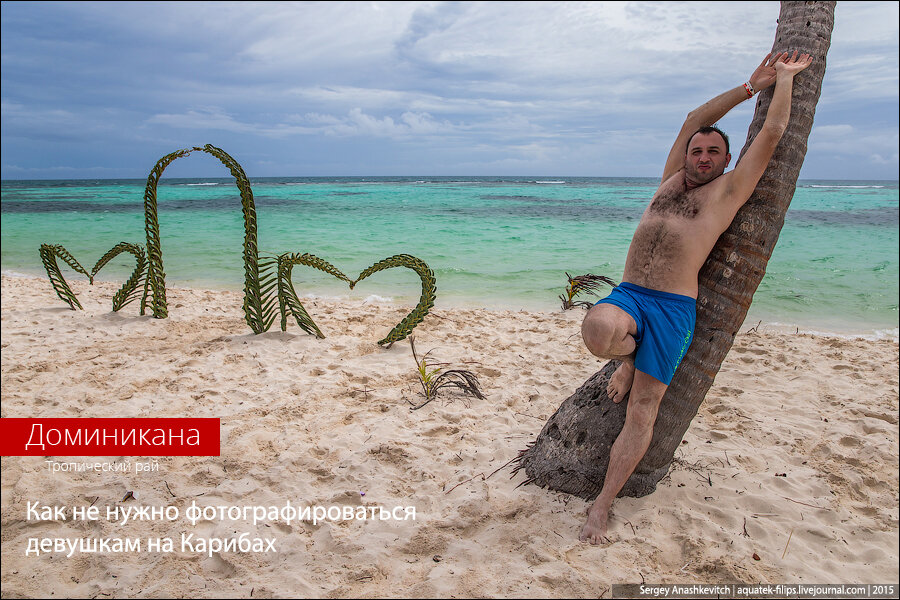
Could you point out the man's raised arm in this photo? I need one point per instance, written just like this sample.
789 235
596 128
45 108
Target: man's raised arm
753 164
718 107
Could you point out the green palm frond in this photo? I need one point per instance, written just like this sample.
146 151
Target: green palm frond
128 292
259 304
588 283
426 300
288 301
155 284
49 253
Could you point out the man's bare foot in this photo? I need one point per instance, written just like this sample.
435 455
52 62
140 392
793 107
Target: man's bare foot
620 382
594 530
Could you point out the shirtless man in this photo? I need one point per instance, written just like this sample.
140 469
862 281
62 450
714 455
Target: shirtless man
648 320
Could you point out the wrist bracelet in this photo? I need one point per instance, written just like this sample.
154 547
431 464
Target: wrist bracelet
749 89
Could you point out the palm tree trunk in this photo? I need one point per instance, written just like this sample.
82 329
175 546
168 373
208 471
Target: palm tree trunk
571 453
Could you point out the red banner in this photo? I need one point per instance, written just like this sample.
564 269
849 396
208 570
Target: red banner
109 437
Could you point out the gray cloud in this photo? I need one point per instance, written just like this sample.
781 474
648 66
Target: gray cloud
590 88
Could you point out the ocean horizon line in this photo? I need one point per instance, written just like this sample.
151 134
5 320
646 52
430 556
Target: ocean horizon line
391 178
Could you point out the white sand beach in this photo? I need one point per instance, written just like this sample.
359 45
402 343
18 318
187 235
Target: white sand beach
788 474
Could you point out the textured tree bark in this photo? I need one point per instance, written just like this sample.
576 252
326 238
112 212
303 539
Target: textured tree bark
571 453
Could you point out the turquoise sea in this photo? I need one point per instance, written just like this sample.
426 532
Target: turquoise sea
498 242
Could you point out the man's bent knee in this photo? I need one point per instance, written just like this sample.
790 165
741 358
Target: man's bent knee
604 336
598 334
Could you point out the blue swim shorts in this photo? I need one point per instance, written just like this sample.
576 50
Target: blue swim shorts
665 327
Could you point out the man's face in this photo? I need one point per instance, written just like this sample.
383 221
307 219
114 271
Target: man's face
706 158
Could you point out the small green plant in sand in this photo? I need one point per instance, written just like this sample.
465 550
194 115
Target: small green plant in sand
434 377
583 283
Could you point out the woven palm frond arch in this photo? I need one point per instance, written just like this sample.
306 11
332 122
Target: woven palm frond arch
259 304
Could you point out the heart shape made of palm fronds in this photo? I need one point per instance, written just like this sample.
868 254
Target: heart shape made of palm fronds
289 303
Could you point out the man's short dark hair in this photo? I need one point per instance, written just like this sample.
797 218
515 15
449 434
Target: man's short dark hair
708 129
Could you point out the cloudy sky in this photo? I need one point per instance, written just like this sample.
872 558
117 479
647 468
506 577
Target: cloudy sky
102 90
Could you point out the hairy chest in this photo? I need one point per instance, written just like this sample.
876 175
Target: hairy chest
674 201
656 240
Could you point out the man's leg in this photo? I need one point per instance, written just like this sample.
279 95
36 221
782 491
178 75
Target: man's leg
608 332
627 451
